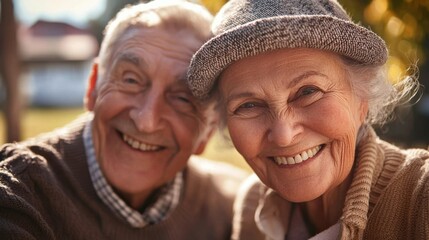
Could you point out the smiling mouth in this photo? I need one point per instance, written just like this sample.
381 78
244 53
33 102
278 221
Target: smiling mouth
299 158
140 145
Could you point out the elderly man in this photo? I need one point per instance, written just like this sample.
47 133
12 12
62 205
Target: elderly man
124 170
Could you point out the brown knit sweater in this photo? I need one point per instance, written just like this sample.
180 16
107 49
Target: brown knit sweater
46 193
388 197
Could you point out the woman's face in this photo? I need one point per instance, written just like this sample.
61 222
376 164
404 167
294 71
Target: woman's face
293 116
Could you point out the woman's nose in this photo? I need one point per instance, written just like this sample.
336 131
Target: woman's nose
283 131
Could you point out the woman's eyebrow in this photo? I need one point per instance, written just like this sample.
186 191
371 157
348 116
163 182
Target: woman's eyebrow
293 83
238 96
305 75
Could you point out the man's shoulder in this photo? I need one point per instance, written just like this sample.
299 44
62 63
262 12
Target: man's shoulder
40 151
23 159
20 171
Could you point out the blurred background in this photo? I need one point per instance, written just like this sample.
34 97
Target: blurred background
47 48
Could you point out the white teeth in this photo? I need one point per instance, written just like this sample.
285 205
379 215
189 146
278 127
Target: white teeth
139 145
297 158
304 156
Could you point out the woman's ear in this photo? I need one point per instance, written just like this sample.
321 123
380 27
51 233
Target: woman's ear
91 95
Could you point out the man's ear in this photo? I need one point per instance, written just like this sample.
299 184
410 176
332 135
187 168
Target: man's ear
207 134
202 146
363 111
91 95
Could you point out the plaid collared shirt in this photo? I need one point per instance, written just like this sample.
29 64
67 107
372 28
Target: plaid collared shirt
158 211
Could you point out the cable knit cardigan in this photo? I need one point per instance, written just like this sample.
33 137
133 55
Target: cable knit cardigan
388 197
46 193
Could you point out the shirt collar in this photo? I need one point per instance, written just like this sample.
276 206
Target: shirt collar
272 215
158 211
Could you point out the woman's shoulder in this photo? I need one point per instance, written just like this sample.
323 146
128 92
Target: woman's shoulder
405 176
221 177
245 205
404 156
251 190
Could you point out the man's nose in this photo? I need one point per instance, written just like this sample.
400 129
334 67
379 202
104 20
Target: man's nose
147 114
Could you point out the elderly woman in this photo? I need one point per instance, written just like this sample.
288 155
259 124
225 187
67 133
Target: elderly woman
299 85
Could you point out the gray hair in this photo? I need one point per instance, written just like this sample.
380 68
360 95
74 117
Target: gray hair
371 84
172 15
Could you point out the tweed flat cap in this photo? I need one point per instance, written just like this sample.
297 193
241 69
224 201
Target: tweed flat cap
244 28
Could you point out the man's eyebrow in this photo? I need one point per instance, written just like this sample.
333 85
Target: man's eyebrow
183 78
131 58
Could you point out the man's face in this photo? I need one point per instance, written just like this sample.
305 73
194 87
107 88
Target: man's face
146 122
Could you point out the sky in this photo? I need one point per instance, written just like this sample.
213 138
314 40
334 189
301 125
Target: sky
77 12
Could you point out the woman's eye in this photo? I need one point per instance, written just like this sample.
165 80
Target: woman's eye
307 91
307 95
247 105
249 109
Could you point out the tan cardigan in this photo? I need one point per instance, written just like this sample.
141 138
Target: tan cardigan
388 197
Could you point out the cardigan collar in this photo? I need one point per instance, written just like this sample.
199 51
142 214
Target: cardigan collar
272 213
357 204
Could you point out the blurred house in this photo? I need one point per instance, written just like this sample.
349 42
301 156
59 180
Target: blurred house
56 60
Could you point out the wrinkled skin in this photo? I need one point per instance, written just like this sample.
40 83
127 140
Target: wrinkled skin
287 102
146 122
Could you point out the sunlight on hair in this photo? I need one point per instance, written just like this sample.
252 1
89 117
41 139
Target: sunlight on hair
396 69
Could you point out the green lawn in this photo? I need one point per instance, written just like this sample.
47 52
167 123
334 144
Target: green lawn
39 120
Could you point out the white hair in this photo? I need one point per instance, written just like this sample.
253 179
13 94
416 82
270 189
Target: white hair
172 15
370 83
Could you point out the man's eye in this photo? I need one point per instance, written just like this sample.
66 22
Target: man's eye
183 99
130 80
132 83
130 77
182 102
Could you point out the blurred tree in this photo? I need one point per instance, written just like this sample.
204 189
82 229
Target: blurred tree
404 24
112 7
9 68
213 5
